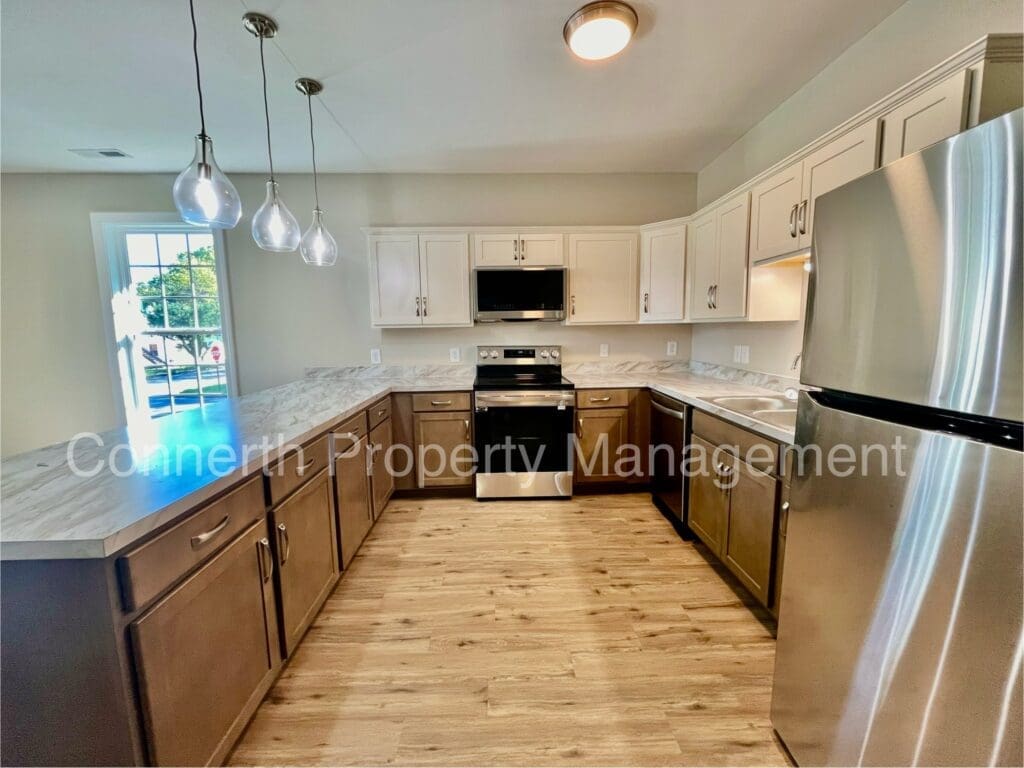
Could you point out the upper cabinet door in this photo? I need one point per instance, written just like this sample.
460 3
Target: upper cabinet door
729 296
936 114
444 277
702 265
500 250
603 278
851 155
542 250
773 213
662 275
394 279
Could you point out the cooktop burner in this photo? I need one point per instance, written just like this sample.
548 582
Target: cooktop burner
520 368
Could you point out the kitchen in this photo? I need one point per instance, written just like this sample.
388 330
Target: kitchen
243 448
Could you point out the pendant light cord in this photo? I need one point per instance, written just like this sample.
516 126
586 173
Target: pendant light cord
266 109
312 144
199 81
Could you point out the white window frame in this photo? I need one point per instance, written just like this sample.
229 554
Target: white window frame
108 231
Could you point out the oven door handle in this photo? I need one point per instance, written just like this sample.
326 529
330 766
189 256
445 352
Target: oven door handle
668 411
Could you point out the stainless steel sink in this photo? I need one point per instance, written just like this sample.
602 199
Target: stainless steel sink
752 404
780 417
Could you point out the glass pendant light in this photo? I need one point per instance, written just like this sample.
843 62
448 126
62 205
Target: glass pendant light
273 226
318 247
203 195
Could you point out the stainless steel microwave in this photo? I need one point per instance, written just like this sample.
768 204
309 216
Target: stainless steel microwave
536 293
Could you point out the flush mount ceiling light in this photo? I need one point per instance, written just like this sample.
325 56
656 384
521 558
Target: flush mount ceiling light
600 30
317 246
273 226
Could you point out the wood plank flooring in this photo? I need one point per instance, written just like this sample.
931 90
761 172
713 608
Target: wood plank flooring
579 632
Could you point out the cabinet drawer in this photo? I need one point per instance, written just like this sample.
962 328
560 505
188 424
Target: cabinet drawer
760 452
296 468
441 401
379 411
149 569
602 398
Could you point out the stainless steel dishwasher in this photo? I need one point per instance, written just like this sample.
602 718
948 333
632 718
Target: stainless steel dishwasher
670 421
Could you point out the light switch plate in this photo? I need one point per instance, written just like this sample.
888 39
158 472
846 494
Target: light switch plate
375 356
672 348
603 350
454 355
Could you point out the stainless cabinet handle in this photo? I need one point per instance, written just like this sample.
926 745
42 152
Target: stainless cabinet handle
801 218
601 399
302 470
283 545
647 302
572 304
467 429
424 306
382 411
515 249
709 298
579 432
440 402
785 506
522 250
266 559
417 306
792 219
714 296
202 538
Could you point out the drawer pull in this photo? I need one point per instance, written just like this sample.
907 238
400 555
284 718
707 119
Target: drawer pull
440 402
604 399
202 538
301 470
382 411
785 506
266 559
283 545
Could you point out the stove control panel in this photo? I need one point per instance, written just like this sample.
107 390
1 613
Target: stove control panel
519 355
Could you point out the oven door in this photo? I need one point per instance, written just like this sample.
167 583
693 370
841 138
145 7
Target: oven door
519 294
523 444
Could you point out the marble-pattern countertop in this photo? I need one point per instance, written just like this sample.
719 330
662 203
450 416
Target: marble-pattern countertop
49 511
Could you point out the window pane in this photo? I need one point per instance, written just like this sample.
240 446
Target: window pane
204 281
211 349
173 249
209 313
177 281
146 280
153 312
180 350
185 385
201 248
214 380
156 390
180 313
152 349
141 249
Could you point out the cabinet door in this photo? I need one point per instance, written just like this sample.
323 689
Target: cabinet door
600 432
751 528
307 555
495 250
603 278
382 482
542 250
444 441
207 653
729 296
444 276
707 502
773 210
851 155
936 114
702 265
355 515
394 279
662 275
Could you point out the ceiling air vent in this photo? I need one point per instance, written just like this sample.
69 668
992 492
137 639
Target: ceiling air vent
102 152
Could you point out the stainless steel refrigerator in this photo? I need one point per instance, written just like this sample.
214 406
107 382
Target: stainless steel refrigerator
900 626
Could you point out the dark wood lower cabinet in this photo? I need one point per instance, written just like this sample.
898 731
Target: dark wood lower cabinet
748 544
307 555
355 513
446 439
382 480
206 654
708 502
600 432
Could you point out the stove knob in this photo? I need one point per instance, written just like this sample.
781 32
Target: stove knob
494 354
554 354
483 353
544 353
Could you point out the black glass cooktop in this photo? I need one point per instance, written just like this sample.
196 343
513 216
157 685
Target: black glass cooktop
515 377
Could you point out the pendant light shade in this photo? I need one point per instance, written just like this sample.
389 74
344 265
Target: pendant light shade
203 195
318 246
273 226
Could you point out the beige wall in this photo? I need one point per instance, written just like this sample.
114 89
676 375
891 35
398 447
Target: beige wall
55 380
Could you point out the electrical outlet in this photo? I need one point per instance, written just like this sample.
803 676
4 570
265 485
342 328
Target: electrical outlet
603 350
672 348
454 355
741 354
375 356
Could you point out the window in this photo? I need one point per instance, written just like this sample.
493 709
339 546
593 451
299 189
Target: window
165 285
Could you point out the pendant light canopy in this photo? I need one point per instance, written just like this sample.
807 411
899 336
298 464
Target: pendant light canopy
317 246
273 226
203 195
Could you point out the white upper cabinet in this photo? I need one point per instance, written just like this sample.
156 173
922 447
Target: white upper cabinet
603 278
729 296
663 275
394 280
519 250
844 159
934 115
444 279
418 280
773 209
702 265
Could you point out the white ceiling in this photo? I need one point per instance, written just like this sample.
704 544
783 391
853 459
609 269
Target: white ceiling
410 85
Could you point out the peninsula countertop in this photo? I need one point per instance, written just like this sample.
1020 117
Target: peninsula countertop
51 511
